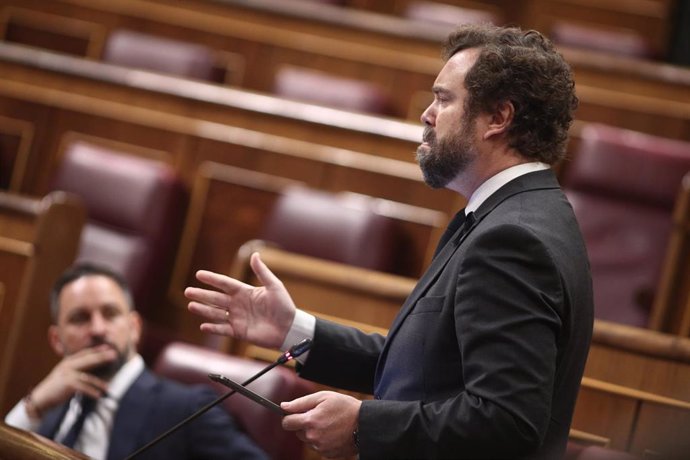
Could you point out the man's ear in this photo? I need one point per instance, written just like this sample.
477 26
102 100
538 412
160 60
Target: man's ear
500 120
136 325
55 342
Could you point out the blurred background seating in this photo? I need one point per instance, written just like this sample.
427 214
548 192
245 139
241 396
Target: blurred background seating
443 13
339 227
321 88
191 364
623 186
618 42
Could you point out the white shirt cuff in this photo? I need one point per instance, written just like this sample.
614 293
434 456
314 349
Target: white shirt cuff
18 418
303 327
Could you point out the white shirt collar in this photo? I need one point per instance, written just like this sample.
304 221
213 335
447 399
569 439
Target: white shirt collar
124 378
498 180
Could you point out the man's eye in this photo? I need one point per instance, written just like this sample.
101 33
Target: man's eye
111 313
79 319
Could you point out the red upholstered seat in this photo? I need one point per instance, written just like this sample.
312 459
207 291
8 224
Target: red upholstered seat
443 13
329 90
342 227
623 185
621 42
191 364
150 52
135 211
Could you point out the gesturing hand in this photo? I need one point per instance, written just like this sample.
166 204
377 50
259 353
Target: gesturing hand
262 315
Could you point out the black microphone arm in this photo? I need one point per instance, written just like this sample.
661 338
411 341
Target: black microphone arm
290 354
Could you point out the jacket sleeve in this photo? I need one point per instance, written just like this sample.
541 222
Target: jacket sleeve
342 357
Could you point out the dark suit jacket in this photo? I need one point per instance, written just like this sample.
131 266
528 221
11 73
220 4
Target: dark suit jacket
151 406
485 358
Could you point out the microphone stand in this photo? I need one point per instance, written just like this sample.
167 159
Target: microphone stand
292 353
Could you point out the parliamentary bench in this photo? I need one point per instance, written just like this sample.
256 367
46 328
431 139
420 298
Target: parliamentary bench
39 238
409 67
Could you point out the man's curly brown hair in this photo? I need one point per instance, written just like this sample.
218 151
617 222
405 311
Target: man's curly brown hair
524 68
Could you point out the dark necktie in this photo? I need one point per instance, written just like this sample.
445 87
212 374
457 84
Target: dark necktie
464 228
457 226
87 405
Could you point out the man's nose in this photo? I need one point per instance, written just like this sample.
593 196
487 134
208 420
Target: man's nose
428 116
98 324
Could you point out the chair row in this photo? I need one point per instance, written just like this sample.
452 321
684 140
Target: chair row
645 24
597 191
623 186
263 46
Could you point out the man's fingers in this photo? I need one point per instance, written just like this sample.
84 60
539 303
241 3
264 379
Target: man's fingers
262 272
302 404
93 382
218 329
222 282
217 314
206 296
90 357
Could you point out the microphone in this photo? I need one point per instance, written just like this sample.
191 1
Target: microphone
294 351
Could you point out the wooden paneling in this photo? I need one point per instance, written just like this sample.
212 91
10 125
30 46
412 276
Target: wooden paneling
671 309
38 240
16 137
51 31
24 445
635 421
641 359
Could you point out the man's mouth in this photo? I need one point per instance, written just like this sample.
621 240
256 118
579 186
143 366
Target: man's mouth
428 137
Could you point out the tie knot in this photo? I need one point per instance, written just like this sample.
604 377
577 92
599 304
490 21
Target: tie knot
466 225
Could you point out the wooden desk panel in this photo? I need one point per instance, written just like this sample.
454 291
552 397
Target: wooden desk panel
38 240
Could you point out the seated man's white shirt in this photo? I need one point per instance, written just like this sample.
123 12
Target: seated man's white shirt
95 435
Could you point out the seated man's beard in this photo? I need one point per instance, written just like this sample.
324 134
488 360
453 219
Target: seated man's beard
107 370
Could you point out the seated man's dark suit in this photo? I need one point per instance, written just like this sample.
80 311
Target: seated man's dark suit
485 358
151 406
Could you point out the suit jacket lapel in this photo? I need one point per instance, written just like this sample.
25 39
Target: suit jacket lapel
131 417
531 181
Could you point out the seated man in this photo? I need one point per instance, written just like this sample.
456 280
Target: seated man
96 331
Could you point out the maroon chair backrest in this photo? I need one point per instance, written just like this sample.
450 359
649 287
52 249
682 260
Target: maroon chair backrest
191 364
443 13
135 207
339 227
620 42
332 91
622 185
149 52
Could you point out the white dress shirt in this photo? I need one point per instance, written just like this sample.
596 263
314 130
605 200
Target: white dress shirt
95 435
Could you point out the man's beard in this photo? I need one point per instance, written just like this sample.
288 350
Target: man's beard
443 160
107 370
